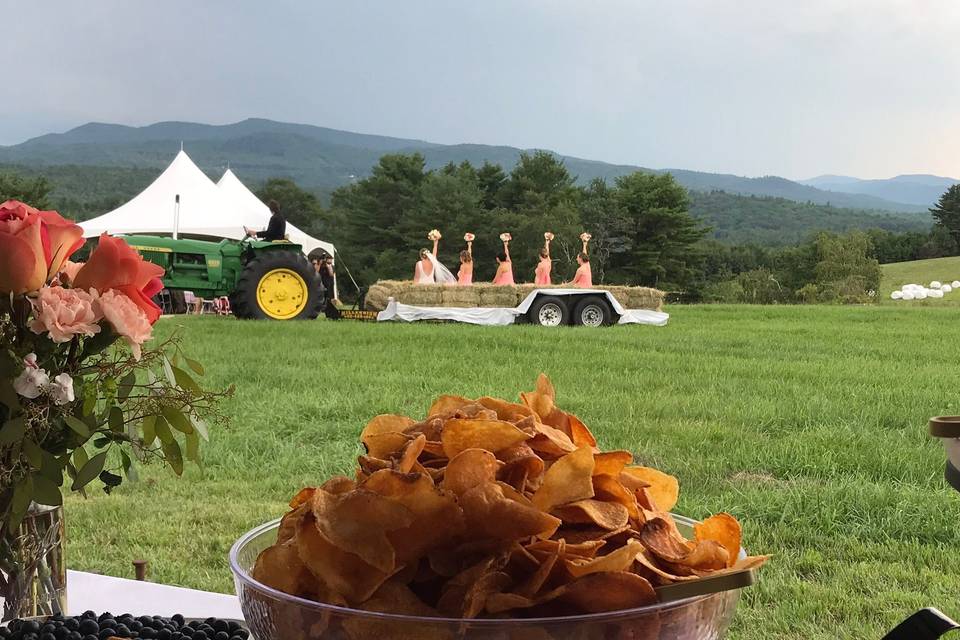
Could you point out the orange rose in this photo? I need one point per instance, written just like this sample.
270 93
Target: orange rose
116 265
33 245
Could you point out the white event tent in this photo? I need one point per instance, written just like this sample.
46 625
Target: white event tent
204 209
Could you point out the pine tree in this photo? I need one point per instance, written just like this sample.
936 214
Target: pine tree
947 211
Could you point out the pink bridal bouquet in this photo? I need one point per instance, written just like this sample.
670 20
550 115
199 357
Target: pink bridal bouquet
83 399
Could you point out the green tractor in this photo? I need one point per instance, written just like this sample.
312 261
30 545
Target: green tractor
263 280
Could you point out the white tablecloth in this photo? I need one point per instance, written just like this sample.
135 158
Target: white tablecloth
119 595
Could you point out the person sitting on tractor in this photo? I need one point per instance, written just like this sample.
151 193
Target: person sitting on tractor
276 228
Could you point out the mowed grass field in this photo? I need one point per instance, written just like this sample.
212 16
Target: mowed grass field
807 423
897 274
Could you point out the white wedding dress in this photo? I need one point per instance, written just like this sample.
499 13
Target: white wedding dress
440 274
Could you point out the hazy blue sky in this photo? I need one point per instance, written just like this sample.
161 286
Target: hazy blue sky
753 87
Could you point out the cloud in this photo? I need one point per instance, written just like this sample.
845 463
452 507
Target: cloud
750 87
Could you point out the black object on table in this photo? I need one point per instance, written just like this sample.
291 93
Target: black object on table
926 624
103 626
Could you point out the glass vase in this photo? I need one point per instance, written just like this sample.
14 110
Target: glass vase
33 574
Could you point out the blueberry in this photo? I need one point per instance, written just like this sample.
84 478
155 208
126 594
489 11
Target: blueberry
179 619
221 635
74 635
88 614
48 635
62 633
5 632
148 633
103 616
90 636
88 627
106 633
71 623
198 635
164 634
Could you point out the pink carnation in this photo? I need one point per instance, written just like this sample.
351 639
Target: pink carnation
70 268
126 318
64 313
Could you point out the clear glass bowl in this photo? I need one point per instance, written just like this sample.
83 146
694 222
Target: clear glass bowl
274 615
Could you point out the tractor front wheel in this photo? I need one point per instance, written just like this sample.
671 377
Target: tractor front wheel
278 285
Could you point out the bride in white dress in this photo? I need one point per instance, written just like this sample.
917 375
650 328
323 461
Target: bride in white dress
429 270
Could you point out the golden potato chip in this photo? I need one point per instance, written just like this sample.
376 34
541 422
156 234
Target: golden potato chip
487 585
722 528
649 561
437 518
611 463
585 549
457 590
507 411
447 405
579 433
662 538
618 560
606 515
411 453
551 442
468 469
609 489
663 487
513 494
501 602
384 434
358 521
613 591
290 522
394 597
567 480
434 448
344 573
535 581
490 514
280 567
305 495
492 435
368 465
581 534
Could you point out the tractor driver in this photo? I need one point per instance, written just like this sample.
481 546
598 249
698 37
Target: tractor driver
276 228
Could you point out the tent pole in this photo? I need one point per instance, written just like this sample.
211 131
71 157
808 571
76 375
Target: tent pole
176 217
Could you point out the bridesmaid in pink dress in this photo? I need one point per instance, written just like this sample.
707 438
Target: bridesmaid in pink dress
584 277
504 266
542 273
465 275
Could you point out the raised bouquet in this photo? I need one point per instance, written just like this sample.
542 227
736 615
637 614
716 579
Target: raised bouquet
434 235
585 237
469 237
506 237
81 398
548 236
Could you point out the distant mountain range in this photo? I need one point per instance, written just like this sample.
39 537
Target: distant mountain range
918 189
323 159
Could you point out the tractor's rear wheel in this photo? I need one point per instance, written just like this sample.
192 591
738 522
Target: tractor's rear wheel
277 285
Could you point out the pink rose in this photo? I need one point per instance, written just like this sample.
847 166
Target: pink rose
126 318
33 245
64 313
116 265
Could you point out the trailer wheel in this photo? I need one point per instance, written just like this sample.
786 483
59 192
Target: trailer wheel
549 311
277 285
593 311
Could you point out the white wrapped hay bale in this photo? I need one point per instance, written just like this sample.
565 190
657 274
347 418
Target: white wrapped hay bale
921 294
946 288
908 295
955 284
896 295
935 284
934 293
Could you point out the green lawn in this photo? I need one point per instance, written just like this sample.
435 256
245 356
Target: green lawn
807 423
897 274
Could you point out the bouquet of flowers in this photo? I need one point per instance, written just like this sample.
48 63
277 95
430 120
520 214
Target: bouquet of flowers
585 237
434 235
469 237
548 236
80 395
506 237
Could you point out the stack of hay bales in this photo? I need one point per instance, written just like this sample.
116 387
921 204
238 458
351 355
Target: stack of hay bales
490 295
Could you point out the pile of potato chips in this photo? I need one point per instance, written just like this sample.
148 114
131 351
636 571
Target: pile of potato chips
489 508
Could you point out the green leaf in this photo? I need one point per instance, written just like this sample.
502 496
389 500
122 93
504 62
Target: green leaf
101 442
46 492
177 420
89 404
171 451
77 425
13 430
193 447
201 427
126 386
115 419
96 344
149 430
110 479
168 371
89 471
193 364
184 381
79 457
128 468
163 430
22 495
52 468
33 452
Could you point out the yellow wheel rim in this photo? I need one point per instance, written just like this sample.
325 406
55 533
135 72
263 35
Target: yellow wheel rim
282 294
